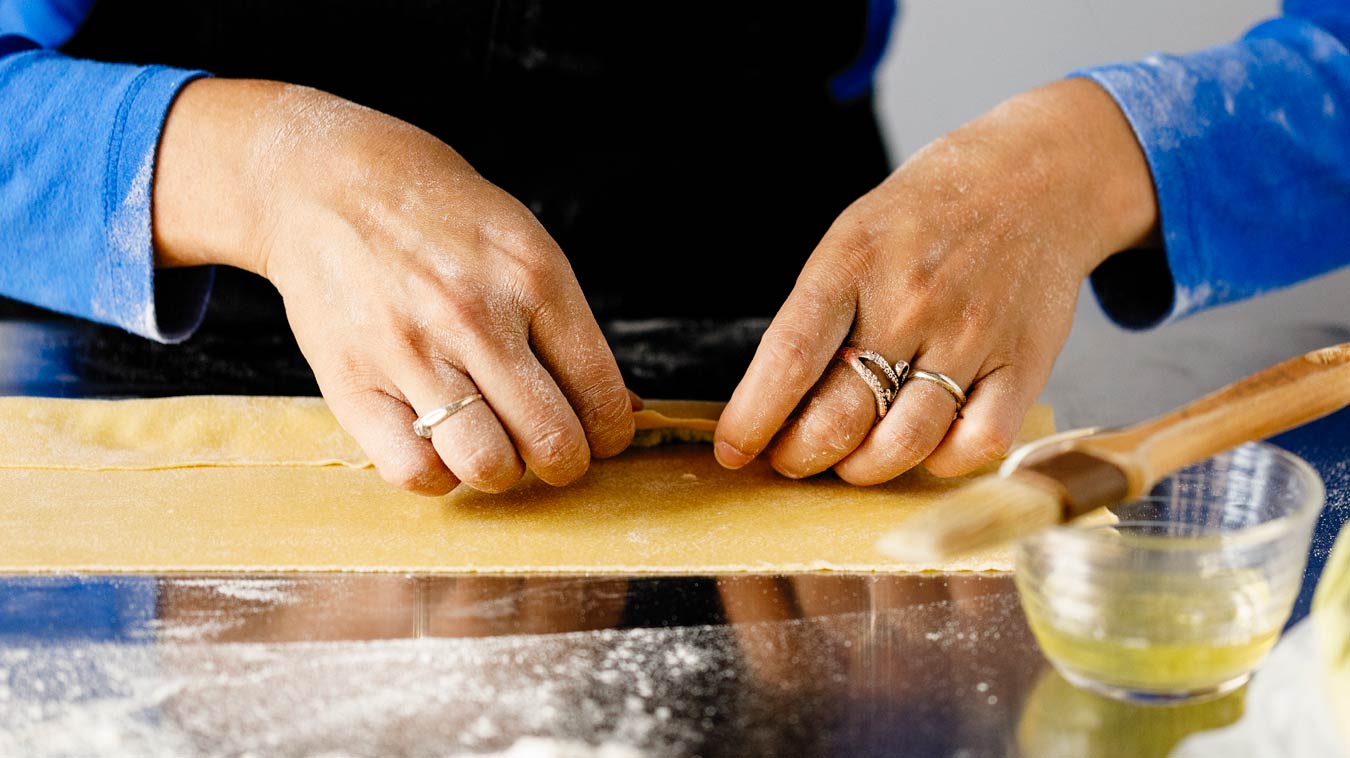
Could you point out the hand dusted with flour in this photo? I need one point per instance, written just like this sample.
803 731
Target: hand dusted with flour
966 261
410 282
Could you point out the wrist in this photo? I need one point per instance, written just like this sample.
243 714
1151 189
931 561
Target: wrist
1109 164
1092 157
208 205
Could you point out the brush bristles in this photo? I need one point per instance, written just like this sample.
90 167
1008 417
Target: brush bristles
988 512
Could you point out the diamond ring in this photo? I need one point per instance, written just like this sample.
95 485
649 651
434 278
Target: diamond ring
858 360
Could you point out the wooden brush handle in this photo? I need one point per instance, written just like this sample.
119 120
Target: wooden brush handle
1284 396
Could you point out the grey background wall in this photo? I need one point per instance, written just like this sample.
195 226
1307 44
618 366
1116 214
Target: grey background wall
950 60
953 59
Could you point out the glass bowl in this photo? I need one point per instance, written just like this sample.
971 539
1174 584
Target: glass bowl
1182 598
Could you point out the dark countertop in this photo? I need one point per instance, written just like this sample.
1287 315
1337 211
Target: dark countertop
443 665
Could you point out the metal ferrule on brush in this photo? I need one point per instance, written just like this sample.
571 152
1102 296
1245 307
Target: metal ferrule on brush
1082 481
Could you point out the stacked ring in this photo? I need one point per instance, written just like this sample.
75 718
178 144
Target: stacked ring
896 375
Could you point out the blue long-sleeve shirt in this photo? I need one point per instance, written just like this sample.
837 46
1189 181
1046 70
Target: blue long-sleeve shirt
78 141
1249 145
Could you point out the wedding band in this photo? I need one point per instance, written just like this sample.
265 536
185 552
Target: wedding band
422 427
946 382
854 357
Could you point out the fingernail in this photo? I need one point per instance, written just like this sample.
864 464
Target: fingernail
729 456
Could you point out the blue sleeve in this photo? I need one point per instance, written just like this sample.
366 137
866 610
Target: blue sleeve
1249 147
78 141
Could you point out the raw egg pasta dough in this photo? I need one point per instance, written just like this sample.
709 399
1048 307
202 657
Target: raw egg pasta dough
257 484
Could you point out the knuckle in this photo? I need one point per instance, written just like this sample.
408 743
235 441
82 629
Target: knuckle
907 452
804 455
973 449
559 455
855 254
353 379
922 275
828 430
990 442
788 350
978 315
489 470
608 420
466 313
531 280
832 436
911 443
412 475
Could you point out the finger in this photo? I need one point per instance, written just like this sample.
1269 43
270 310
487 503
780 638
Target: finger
756 599
918 420
842 409
980 599
791 358
532 408
636 401
988 425
748 603
455 605
472 442
382 425
554 605
967 589
835 420
905 591
569 344
826 595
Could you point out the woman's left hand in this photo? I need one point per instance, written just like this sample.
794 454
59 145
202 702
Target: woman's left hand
966 262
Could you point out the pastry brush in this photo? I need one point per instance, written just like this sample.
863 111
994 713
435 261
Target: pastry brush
1080 472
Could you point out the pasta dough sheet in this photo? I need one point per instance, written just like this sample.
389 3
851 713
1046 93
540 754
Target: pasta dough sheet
273 484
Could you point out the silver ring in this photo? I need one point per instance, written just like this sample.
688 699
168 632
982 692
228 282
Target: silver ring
946 382
854 357
422 426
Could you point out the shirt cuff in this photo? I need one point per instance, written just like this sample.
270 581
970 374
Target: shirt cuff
166 305
1249 148
1140 289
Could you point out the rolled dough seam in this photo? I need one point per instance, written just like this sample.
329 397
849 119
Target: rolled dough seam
174 432
200 431
271 484
675 421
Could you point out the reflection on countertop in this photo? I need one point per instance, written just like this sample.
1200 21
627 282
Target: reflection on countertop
448 665
369 664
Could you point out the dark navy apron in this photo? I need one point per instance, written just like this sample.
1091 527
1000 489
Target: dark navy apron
687 156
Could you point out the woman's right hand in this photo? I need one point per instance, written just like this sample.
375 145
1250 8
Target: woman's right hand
410 282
